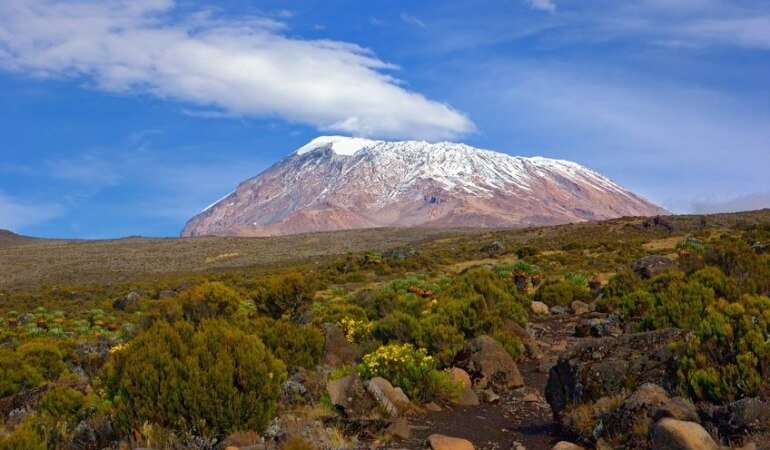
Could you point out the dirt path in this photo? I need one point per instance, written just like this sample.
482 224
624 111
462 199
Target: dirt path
521 417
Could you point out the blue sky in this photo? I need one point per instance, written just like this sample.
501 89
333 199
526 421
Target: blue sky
126 117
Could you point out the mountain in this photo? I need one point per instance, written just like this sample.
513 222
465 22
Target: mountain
337 182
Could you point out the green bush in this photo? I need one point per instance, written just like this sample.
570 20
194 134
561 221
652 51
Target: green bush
45 357
295 345
210 381
562 293
729 356
16 375
411 369
24 437
286 295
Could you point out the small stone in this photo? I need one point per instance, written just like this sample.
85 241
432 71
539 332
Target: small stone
539 308
489 396
399 430
441 442
432 407
579 308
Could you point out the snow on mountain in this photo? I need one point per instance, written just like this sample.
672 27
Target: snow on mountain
337 182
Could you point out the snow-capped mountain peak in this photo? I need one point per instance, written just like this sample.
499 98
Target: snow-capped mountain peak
337 182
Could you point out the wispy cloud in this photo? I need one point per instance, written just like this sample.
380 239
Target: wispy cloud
412 20
246 67
542 5
16 214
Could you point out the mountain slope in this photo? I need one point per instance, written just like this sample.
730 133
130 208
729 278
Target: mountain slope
336 183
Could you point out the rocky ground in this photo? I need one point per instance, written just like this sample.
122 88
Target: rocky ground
521 417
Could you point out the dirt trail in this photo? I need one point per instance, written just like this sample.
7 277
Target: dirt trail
521 416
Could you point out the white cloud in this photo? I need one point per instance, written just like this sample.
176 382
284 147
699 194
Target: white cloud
543 5
745 31
15 214
412 20
243 68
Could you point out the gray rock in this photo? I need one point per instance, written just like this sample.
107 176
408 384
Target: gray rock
651 266
348 394
489 365
391 399
608 366
337 350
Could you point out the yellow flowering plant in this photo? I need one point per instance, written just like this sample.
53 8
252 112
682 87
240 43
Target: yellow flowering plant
355 330
411 369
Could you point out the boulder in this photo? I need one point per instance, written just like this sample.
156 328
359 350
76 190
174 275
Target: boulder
599 325
673 434
337 350
651 266
460 377
579 308
539 308
642 408
441 442
128 300
608 366
531 347
349 395
742 417
391 399
489 365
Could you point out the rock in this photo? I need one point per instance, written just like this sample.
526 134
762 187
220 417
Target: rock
599 326
128 300
672 434
348 394
293 392
539 308
564 445
531 347
559 310
489 365
432 407
399 430
392 399
608 366
579 308
441 442
742 417
640 410
489 396
468 397
651 266
337 350
459 376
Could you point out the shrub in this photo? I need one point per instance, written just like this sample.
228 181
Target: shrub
286 295
16 375
729 356
211 381
45 357
398 327
295 345
562 293
24 437
410 369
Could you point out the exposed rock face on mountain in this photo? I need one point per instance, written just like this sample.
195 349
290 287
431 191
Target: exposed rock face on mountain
337 183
